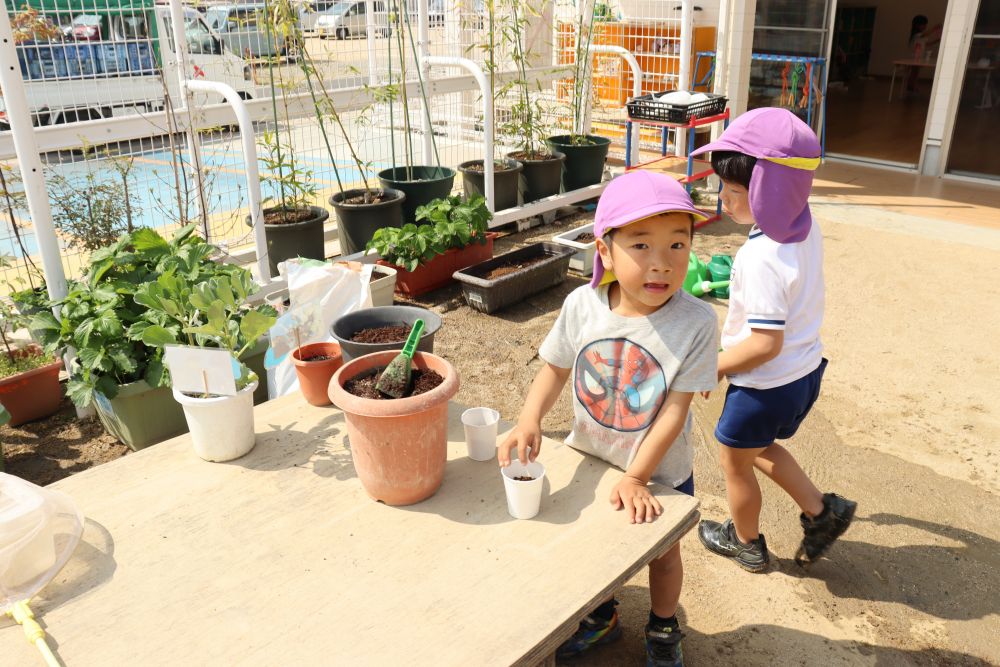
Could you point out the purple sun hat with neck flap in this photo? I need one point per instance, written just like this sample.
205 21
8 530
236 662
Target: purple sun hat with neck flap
787 153
634 196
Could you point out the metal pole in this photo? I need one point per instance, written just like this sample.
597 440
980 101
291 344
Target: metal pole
30 163
423 51
684 68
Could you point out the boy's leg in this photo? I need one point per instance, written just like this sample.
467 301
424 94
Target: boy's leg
778 463
666 576
742 490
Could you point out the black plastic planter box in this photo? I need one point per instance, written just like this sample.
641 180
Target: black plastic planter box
490 296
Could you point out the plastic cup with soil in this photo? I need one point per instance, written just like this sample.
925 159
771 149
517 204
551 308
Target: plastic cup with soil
481 432
523 484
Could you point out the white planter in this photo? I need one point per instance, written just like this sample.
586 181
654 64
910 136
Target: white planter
221 427
583 260
382 288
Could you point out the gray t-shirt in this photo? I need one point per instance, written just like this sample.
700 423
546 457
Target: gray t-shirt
623 368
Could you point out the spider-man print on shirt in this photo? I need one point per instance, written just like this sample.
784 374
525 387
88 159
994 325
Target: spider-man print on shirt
619 383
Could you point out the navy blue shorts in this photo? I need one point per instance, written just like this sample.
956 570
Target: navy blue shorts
687 486
753 418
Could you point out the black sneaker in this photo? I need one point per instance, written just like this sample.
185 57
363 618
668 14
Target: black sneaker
593 631
721 539
823 530
663 647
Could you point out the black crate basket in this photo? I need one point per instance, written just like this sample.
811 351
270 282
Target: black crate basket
490 296
647 107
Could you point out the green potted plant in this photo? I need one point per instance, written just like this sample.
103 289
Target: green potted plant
585 153
293 225
360 211
115 371
420 183
525 122
506 170
453 236
209 313
29 376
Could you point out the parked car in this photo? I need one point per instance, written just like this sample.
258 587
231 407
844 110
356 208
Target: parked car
348 19
309 12
242 29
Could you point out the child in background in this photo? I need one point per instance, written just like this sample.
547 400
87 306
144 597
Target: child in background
772 353
637 347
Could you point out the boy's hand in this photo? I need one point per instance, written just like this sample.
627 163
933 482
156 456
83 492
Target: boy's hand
635 497
527 438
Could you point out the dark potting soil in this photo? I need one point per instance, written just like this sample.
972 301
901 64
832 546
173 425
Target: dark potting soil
376 276
524 478
281 217
389 334
585 237
318 357
376 198
479 168
507 269
421 382
532 155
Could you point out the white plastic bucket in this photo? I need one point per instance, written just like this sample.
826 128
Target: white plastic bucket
481 432
524 498
28 545
221 427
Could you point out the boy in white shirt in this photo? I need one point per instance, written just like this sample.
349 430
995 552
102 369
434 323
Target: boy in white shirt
772 352
637 347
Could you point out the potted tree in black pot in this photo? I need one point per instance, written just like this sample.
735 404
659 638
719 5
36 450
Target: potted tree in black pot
585 153
420 183
542 167
506 170
360 211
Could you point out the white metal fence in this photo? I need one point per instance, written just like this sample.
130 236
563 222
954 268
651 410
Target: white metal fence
120 148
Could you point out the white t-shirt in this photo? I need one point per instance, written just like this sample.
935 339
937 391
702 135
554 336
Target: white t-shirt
623 368
778 286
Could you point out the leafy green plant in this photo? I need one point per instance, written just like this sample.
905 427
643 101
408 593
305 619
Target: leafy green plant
452 223
208 313
15 361
101 319
293 182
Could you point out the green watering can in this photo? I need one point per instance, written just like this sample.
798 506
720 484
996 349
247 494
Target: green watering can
712 277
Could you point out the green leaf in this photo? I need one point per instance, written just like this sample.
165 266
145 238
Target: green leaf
157 336
4 415
80 392
255 324
147 239
107 386
90 358
155 374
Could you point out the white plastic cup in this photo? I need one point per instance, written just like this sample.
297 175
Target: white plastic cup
481 432
523 497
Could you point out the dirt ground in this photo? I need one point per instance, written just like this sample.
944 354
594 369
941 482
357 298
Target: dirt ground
907 425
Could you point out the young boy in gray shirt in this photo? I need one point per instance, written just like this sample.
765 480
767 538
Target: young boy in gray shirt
637 348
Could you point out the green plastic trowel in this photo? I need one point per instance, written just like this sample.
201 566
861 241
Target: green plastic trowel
395 378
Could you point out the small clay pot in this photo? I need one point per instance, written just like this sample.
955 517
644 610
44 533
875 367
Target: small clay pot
314 376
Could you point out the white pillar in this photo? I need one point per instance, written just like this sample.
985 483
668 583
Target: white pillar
30 162
735 70
953 52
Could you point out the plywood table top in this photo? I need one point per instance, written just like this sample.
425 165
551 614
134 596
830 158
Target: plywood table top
281 558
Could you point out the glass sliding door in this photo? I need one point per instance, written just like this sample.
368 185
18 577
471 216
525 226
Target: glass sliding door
977 121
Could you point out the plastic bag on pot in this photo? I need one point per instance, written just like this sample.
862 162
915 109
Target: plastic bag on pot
319 292
39 529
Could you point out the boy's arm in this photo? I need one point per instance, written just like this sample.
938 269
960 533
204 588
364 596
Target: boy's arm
632 492
760 347
527 435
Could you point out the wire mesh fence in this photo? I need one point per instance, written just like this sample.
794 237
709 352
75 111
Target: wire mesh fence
338 91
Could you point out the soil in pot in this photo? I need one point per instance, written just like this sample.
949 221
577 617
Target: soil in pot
513 267
421 381
524 478
389 334
318 357
286 217
364 198
585 237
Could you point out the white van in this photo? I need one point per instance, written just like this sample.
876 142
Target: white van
350 19
243 30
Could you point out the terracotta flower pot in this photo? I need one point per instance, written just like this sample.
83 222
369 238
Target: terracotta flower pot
32 394
399 446
314 376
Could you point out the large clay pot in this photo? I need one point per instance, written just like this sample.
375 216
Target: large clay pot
314 376
399 446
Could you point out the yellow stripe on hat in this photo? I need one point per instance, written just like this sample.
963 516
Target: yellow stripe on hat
804 163
607 278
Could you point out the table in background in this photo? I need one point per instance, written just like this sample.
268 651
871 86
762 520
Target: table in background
907 63
280 557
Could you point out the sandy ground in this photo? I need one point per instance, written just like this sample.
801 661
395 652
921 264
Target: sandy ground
907 425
